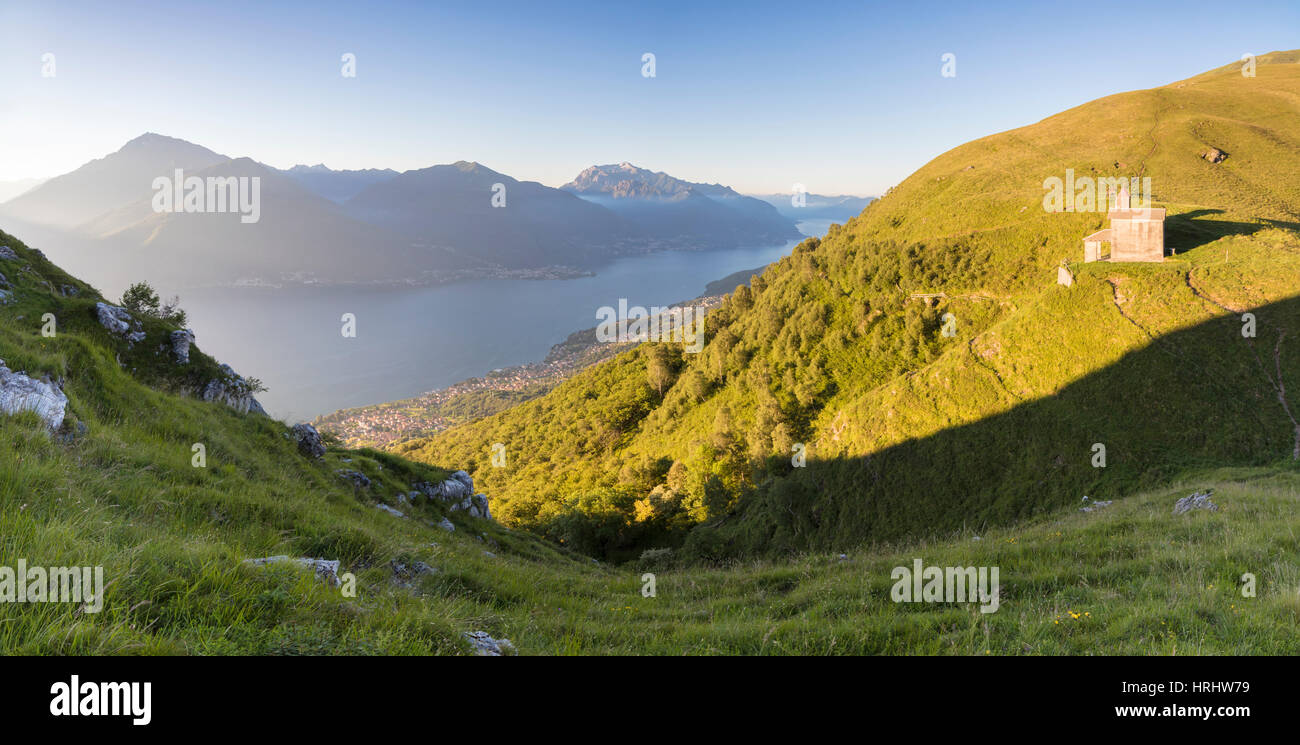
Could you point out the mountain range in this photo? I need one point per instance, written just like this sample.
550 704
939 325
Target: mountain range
805 206
673 213
423 226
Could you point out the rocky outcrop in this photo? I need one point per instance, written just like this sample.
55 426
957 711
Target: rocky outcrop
390 510
233 391
119 322
358 479
20 392
1215 155
181 341
6 297
447 525
1197 501
8 254
1095 504
411 571
486 646
326 571
457 492
309 441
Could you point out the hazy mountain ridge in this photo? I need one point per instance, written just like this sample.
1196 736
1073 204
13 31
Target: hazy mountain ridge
680 213
452 206
337 186
18 187
108 183
424 226
817 206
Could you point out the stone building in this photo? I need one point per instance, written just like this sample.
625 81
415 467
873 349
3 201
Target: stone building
1133 235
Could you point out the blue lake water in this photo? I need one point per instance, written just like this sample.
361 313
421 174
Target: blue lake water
410 341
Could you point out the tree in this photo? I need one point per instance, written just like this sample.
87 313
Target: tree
141 298
660 368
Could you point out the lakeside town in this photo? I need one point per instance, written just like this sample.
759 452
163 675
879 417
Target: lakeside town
386 424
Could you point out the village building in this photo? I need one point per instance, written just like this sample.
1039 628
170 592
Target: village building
1133 235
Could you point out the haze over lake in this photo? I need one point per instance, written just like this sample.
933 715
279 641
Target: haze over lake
410 341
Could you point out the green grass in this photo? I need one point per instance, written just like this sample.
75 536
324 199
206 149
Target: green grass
909 432
171 538
919 442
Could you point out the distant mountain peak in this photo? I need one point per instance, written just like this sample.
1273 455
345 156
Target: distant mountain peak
154 140
626 180
318 168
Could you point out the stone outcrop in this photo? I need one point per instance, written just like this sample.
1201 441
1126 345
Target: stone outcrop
358 479
233 391
326 571
119 322
181 341
1095 505
457 492
390 510
410 571
309 441
486 646
1197 501
20 392
1215 155
8 254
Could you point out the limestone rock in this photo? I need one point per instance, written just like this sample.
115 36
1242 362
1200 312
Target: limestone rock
390 510
458 493
232 390
8 254
1095 505
1197 501
327 571
1215 155
486 646
181 341
358 479
309 440
119 322
411 571
20 392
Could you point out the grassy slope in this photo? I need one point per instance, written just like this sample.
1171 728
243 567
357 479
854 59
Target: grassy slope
171 537
1062 368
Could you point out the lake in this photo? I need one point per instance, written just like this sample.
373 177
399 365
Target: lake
409 341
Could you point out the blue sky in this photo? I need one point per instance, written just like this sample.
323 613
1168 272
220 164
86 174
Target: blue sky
843 97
